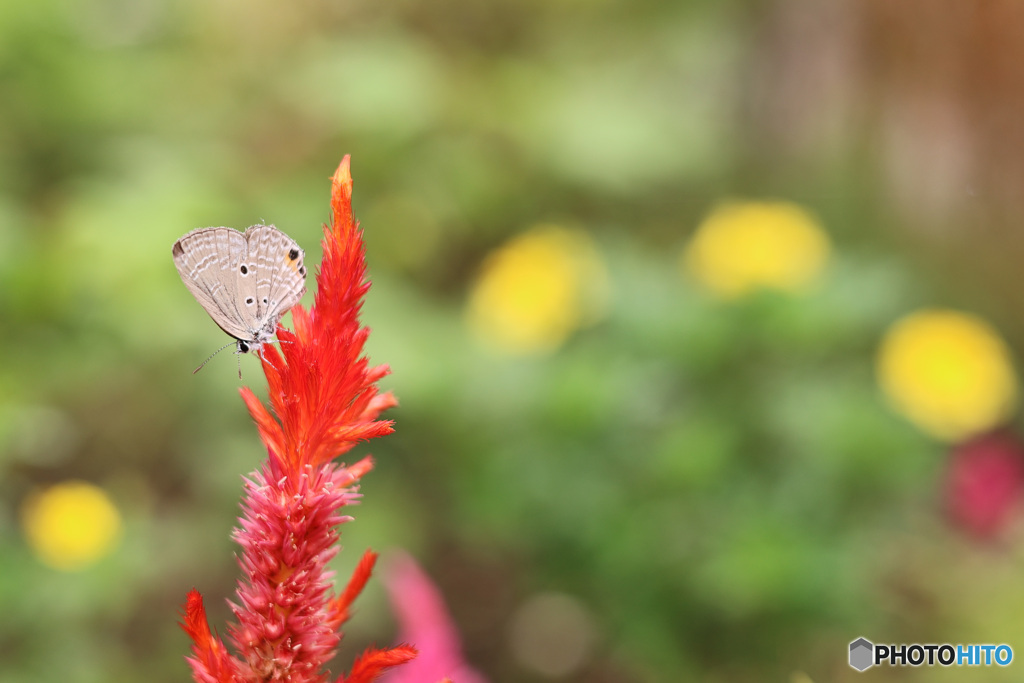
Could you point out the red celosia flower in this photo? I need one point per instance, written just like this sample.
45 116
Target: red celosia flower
985 483
325 399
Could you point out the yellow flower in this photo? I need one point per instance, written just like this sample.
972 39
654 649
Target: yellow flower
71 525
948 372
537 289
743 246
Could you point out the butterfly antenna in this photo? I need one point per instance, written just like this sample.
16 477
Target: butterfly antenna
211 358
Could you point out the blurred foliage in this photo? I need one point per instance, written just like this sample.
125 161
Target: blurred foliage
719 485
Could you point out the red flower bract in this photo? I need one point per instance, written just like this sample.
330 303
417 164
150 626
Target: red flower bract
326 395
325 400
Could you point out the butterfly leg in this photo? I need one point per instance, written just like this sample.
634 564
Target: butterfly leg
265 359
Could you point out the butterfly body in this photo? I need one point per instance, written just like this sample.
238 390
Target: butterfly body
244 281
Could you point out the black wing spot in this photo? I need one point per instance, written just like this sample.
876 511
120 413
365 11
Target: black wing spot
293 254
249 301
245 271
302 271
265 302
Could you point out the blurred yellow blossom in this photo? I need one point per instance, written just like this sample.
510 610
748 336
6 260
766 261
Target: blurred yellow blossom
742 246
71 525
948 372
535 290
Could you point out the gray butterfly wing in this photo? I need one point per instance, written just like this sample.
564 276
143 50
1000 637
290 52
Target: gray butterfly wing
208 260
280 278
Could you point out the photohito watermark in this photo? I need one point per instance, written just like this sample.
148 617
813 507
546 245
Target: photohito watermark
864 654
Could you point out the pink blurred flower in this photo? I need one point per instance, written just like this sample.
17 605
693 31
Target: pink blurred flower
426 625
985 483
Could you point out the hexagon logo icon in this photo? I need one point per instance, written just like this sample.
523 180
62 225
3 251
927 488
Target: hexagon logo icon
862 654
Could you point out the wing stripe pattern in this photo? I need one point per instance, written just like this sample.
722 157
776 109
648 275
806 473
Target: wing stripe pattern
281 279
231 274
205 259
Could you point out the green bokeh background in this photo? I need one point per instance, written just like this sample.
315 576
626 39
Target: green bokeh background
720 485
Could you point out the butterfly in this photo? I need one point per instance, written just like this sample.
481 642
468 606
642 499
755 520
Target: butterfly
244 281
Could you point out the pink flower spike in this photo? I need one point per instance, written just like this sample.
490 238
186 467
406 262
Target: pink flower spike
426 624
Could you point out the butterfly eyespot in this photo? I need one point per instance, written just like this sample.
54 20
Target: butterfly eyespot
249 301
302 271
245 271
265 302
293 254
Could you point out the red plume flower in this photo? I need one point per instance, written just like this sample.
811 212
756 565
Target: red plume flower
324 399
